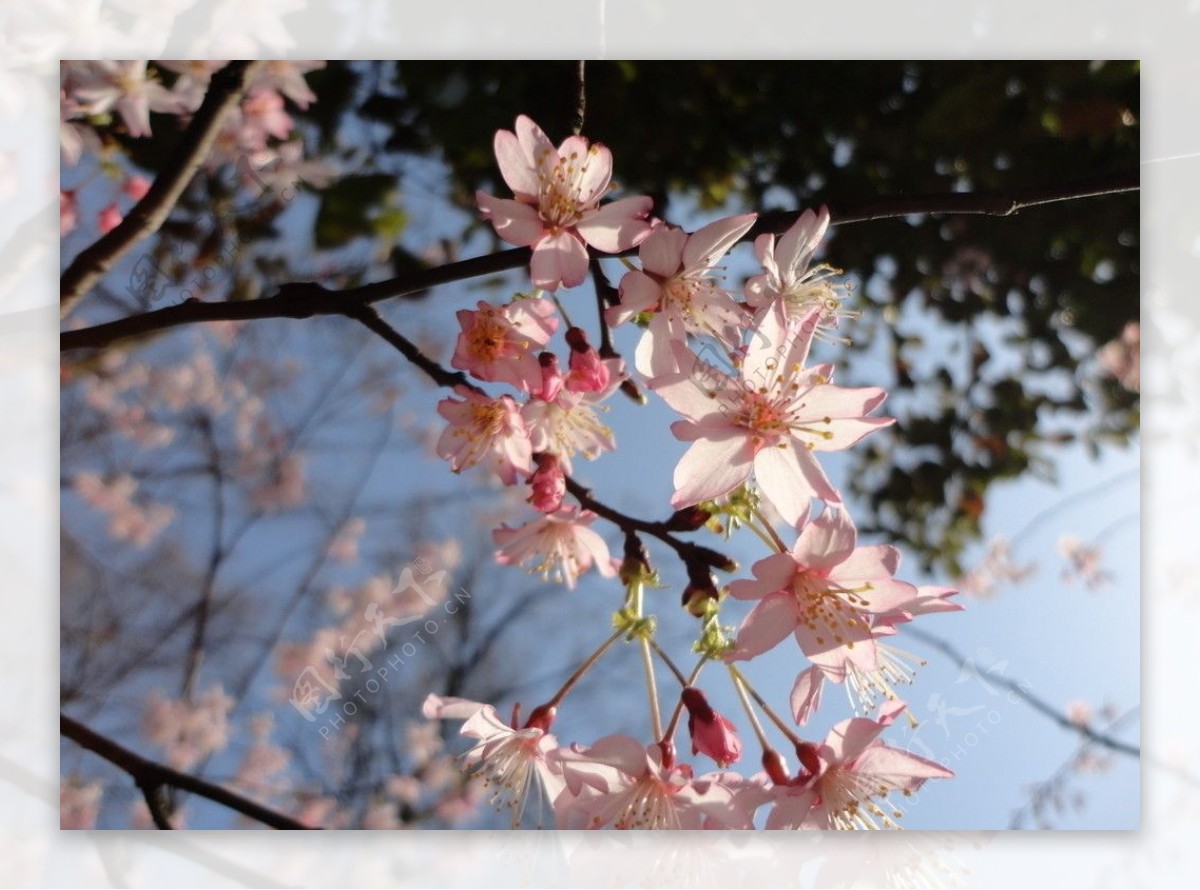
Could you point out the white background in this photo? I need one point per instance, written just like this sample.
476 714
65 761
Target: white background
1163 852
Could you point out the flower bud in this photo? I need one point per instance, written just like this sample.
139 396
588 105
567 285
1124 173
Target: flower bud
588 372
712 734
552 377
701 590
688 519
548 484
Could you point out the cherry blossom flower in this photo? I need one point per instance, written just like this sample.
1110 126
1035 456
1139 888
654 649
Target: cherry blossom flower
619 782
68 212
674 283
518 765
282 167
557 209
1122 357
343 547
188 730
287 77
1079 713
789 283
562 419
124 87
285 486
997 566
769 420
561 544
128 520
485 429
823 592
501 343
856 773
192 82
1083 562
78 803
868 688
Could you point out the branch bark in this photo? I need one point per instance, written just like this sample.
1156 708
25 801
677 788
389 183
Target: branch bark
151 212
152 777
306 299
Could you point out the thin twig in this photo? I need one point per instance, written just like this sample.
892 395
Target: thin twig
224 93
693 555
306 299
1036 702
580 98
150 776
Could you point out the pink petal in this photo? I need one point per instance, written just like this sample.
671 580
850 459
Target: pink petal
698 391
709 244
900 768
848 432
827 541
639 293
661 252
787 480
806 694
515 166
534 143
515 222
654 357
791 810
711 468
449 708
797 244
850 738
559 260
597 168
765 627
771 574
617 226
764 250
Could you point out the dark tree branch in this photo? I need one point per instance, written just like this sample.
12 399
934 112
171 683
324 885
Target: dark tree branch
151 212
152 777
306 299
439 375
580 98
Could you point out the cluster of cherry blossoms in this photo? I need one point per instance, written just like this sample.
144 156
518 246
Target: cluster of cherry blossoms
257 135
757 415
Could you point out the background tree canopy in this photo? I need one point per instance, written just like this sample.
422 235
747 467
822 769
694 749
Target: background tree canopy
1019 307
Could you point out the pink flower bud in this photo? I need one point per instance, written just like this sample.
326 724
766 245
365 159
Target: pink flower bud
588 372
712 734
548 485
136 187
552 377
109 219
